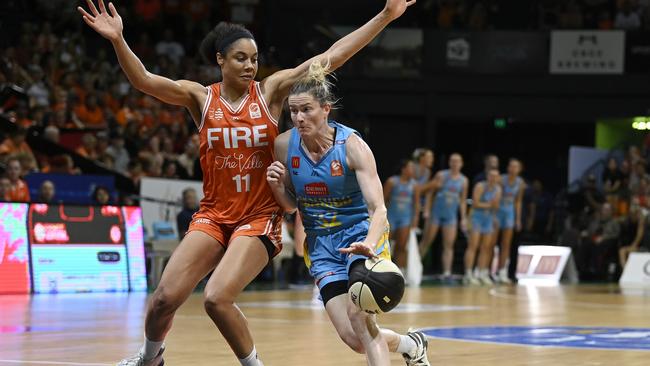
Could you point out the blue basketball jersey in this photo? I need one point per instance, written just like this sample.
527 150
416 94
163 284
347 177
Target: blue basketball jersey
401 197
448 196
487 196
510 192
327 191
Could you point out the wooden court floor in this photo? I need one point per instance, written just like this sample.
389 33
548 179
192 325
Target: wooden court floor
98 329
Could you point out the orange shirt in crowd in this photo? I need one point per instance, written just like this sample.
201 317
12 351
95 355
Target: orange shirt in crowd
19 192
89 154
94 117
9 147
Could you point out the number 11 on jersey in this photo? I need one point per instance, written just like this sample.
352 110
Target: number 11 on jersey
247 182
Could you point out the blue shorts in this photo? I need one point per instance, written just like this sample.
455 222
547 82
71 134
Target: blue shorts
444 214
326 264
483 222
399 221
506 219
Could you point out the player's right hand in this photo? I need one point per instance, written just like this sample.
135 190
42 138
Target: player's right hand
108 25
275 174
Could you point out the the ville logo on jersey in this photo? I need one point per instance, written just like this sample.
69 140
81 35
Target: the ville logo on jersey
318 189
336 169
218 114
295 162
254 111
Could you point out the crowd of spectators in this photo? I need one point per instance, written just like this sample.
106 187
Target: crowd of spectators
609 216
540 14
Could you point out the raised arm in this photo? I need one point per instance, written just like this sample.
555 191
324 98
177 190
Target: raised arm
276 87
278 177
362 161
108 24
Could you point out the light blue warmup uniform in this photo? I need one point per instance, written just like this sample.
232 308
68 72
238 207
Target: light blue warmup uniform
447 200
483 218
332 207
401 202
506 213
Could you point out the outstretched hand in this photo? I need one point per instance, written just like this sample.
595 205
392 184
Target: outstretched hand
395 8
359 248
109 25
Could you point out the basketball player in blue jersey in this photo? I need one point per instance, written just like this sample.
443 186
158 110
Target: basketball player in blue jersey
423 159
450 187
399 195
509 214
327 172
485 202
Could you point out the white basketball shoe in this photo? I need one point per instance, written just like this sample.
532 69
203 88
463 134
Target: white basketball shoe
138 360
420 357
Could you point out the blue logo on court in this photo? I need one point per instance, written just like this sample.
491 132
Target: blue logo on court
576 337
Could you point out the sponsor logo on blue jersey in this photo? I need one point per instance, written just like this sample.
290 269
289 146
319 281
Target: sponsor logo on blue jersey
574 337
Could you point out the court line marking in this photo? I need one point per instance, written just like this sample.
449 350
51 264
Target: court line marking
494 292
54 363
529 345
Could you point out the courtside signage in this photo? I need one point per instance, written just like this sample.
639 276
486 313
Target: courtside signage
637 270
590 52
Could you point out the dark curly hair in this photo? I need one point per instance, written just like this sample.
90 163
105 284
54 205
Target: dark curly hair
220 40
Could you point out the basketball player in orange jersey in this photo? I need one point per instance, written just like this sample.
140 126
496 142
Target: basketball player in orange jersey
235 231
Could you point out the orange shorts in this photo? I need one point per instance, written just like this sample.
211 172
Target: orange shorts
269 226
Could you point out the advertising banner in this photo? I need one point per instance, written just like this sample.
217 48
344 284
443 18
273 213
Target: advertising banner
487 52
587 52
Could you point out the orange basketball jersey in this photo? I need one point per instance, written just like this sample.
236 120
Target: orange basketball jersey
236 148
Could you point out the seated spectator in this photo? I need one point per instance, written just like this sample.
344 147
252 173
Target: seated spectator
119 153
15 143
637 175
592 197
27 162
129 111
169 170
190 206
62 164
18 191
5 187
599 242
135 172
106 161
101 196
612 180
90 113
88 148
52 134
627 18
46 192
634 235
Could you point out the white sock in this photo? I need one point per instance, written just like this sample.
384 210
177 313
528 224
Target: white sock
446 274
406 345
251 360
150 349
468 273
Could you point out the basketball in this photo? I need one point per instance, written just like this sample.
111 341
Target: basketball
376 285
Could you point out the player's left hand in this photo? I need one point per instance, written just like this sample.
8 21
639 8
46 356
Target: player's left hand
518 226
360 249
395 8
